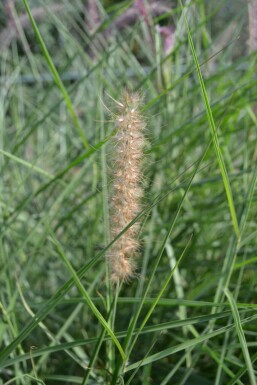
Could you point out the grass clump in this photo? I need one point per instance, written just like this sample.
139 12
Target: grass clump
189 316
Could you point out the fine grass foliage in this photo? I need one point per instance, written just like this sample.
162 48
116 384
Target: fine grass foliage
187 314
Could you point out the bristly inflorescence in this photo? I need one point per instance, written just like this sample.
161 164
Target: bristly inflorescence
127 188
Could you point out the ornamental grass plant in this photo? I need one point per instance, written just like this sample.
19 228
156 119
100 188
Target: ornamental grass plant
120 262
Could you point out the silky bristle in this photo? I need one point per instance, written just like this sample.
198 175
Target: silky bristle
127 188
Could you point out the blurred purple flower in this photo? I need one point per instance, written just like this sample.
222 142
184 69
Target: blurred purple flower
253 25
140 6
168 38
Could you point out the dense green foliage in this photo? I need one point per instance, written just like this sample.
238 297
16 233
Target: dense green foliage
189 317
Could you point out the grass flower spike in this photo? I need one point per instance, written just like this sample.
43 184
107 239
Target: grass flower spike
127 185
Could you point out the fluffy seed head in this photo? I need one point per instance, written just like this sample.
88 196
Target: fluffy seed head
127 190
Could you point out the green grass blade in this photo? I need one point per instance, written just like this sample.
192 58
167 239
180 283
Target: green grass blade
158 297
185 345
87 298
241 336
26 164
147 330
56 76
213 131
242 371
248 200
